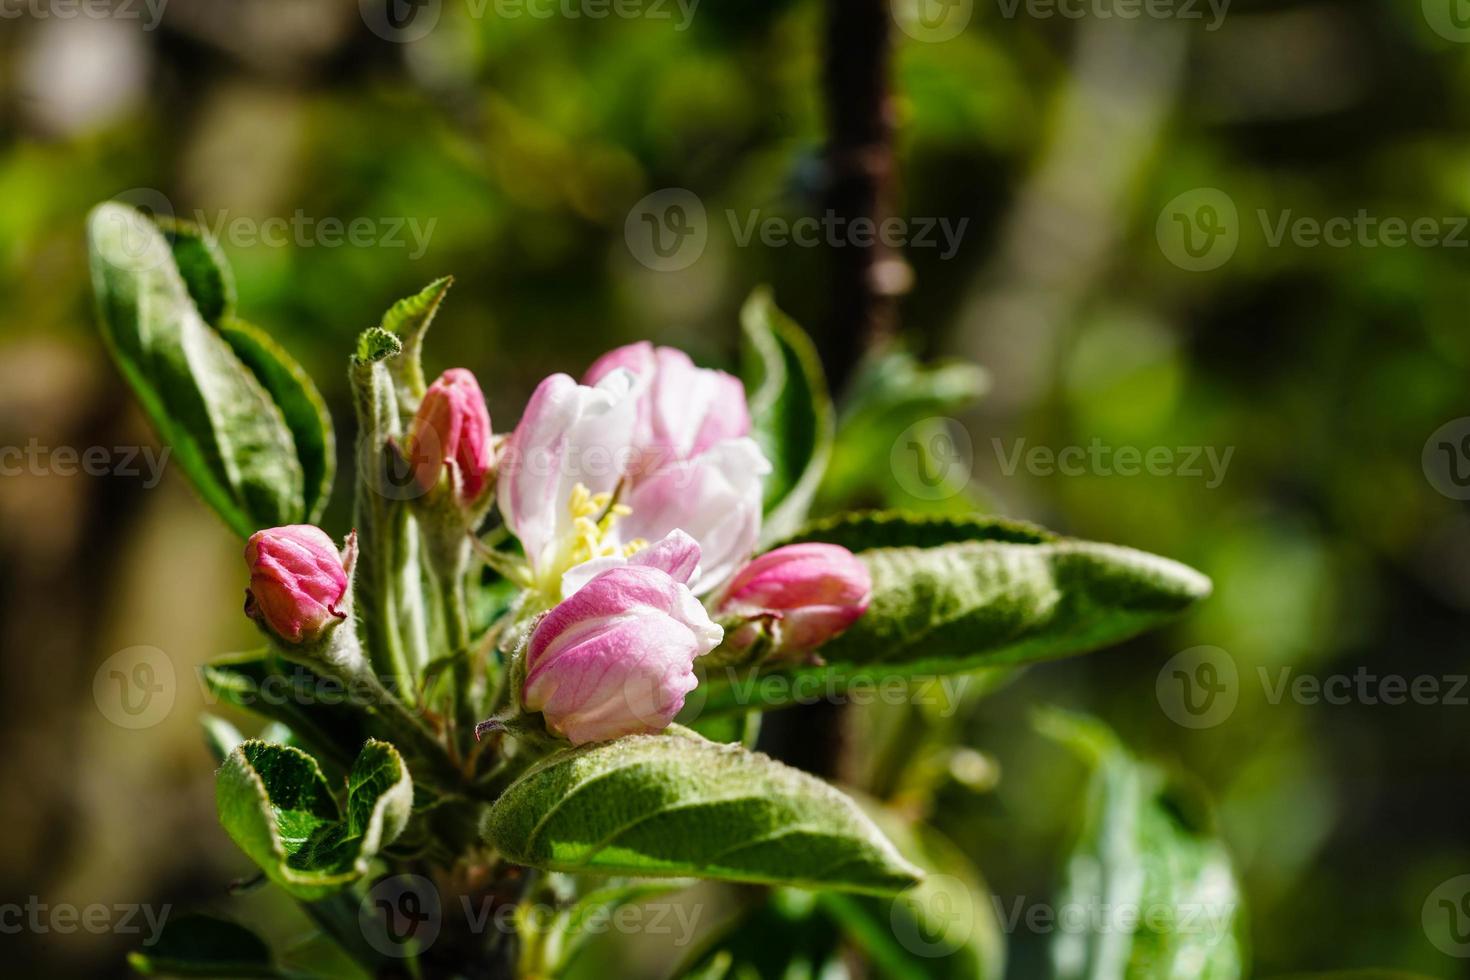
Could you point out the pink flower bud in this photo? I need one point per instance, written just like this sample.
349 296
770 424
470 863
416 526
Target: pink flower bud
682 409
297 582
811 592
452 425
616 657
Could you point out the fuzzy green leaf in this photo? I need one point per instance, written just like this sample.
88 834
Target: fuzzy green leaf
983 594
319 712
225 430
1157 885
678 805
302 406
791 413
409 320
278 807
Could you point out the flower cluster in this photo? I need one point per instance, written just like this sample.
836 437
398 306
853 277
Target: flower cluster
636 496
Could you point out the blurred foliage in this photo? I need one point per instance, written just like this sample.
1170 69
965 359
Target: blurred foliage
519 144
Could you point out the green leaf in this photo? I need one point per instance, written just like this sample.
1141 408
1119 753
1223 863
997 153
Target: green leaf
791 412
676 804
203 268
278 807
1146 846
319 712
302 406
224 429
211 286
1006 596
862 530
409 319
203 946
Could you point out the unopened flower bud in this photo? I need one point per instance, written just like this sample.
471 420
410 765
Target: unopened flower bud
297 582
616 657
809 592
452 425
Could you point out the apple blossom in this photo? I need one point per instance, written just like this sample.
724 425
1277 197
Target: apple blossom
616 657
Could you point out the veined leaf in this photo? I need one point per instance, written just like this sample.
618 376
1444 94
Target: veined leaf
984 594
278 807
678 805
211 286
220 422
319 713
244 429
302 406
791 412
1157 886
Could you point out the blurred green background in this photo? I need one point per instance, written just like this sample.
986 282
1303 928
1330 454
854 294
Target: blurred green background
518 146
